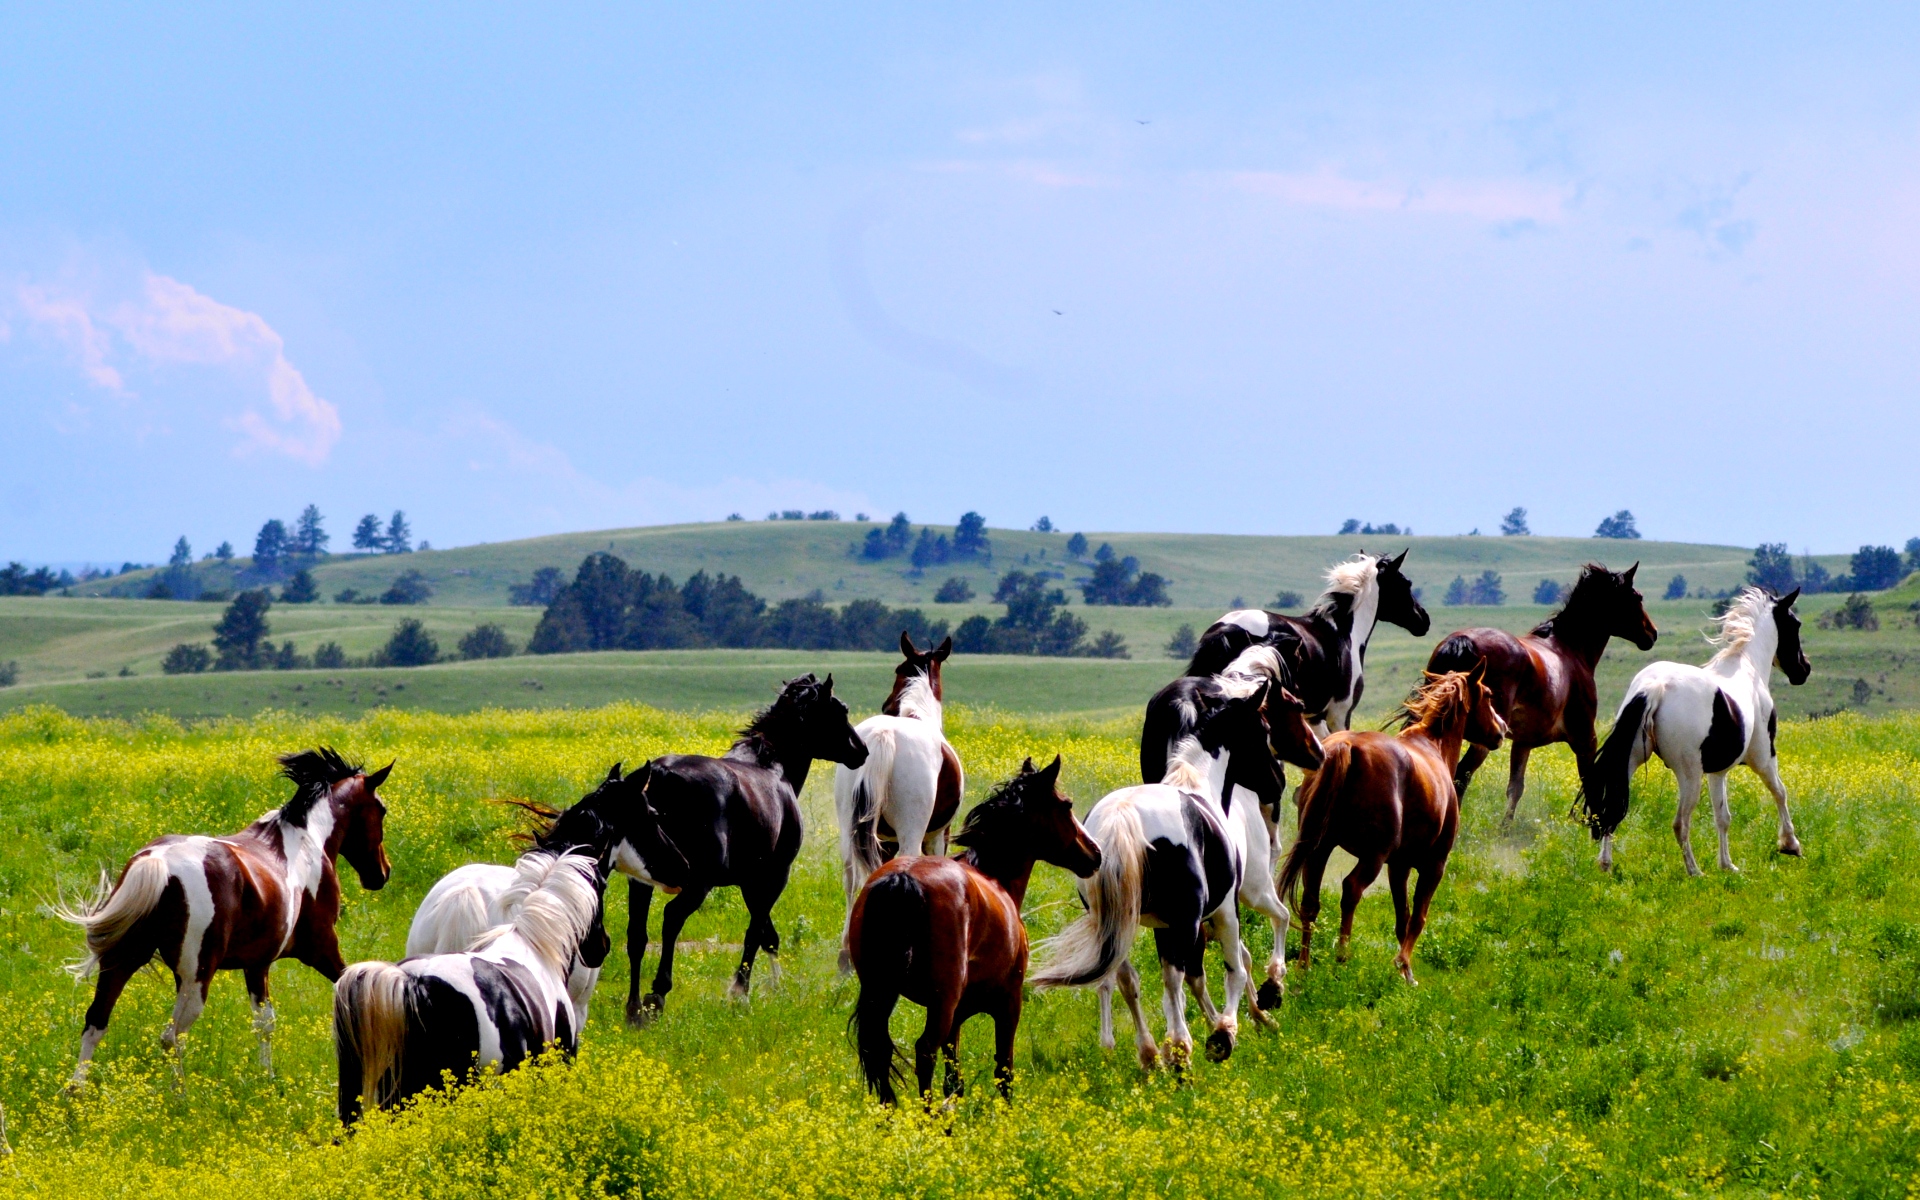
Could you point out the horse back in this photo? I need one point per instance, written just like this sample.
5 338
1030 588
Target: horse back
1540 689
724 815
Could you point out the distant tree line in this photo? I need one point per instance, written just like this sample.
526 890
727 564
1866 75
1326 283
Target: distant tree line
1353 525
1871 569
1484 590
16 580
242 641
896 540
1034 623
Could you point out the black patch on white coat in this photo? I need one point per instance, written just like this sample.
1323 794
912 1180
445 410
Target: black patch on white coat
508 993
443 1034
1773 734
1726 737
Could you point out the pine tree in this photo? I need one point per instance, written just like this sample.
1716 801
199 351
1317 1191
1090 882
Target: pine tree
309 535
399 536
269 545
182 554
1514 524
366 535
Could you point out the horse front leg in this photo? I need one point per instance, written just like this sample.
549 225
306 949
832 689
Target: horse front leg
1006 1023
1516 780
1234 958
263 1016
1768 769
639 904
1402 917
678 910
1469 763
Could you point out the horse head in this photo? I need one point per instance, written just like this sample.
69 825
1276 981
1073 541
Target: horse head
824 726
1030 810
1485 726
1789 654
1293 739
1238 725
1398 605
364 818
1627 609
916 664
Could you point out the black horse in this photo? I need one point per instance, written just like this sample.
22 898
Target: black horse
736 821
1325 648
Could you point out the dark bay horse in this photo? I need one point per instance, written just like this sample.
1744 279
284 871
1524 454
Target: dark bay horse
1389 800
1543 681
239 902
946 933
1325 648
736 821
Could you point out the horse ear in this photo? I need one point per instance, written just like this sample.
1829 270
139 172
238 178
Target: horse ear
613 776
379 777
945 648
1259 697
1626 576
1395 562
1787 600
1026 768
1289 700
1479 673
827 688
906 645
1050 774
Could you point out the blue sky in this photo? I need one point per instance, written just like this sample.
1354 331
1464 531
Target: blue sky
1237 269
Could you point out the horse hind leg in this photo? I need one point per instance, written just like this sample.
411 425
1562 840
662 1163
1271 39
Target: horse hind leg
1128 978
263 1014
1417 919
1687 779
1402 918
1103 991
1173 1007
115 972
1722 816
1516 780
1364 872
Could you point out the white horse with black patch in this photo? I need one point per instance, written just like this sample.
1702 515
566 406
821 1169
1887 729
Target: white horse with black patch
1170 859
1704 721
397 1027
908 789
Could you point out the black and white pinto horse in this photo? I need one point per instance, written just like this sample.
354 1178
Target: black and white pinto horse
1253 802
1704 721
736 821
397 1027
613 825
1170 859
1325 648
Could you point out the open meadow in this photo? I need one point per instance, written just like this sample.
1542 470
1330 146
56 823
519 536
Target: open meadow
1574 1032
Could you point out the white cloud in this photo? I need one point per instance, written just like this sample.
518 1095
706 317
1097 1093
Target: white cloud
169 324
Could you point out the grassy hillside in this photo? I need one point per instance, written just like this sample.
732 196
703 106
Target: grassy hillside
778 559
59 643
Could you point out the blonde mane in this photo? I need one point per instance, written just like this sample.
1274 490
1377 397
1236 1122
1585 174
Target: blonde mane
1352 577
550 904
917 700
1432 701
1187 766
1254 666
1736 627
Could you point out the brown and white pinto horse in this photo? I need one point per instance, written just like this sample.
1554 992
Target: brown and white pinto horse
1543 681
946 933
1389 800
239 902
903 797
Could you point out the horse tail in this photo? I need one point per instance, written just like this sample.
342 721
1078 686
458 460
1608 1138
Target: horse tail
1086 950
1606 794
871 784
1158 733
896 929
1319 793
115 910
370 1017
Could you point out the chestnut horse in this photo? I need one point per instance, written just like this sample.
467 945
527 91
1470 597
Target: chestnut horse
909 789
1389 799
239 902
1543 681
946 933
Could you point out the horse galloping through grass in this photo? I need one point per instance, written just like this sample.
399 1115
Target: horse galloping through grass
1172 859
736 821
239 902
946 933
909 789
1325 648
398 1027
1389 800
1543 681
613 824
1704 721
1253 799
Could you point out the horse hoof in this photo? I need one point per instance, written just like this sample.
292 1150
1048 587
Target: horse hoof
1149 1058
1793 850
651 1006
1219 1046
1271 994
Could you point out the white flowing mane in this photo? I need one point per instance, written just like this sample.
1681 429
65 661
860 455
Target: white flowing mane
1740 623
1352 577
1244 675
917 700
1187 766
552 899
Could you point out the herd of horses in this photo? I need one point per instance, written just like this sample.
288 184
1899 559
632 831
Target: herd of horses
502 960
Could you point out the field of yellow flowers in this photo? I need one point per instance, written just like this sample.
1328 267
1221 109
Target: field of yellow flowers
1573 1032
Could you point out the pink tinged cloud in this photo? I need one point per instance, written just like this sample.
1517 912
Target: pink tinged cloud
66 319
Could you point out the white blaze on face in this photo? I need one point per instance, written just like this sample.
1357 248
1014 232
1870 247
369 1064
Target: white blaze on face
1253 620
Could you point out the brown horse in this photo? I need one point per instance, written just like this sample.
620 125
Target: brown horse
946 933
239 902
1543 681
1389 799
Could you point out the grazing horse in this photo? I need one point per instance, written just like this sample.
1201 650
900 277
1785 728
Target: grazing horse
1705 721
1543 681
1173 714
1325 648
613 825
398 1027
239 902
1171 859
1389 799
909 788
736 820
946 933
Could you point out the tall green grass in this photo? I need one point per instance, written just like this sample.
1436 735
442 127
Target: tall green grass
1638 1032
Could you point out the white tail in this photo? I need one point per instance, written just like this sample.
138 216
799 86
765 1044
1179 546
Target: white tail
1086 950
869 783
113 911
370 1019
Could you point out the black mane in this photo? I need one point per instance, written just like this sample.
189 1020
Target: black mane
1003 803
1585 590
313 772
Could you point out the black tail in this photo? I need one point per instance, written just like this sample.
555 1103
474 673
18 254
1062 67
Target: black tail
895 929
1157 733
1456 653
1606 794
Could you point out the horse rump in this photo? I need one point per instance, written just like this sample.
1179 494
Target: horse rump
1606 795
371 1011
1457 652
1086 950
869 782
1319 794
114 910
895 929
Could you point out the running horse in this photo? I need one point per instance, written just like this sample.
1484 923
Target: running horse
239 902
1389 800
946 932
1325 648
1543 681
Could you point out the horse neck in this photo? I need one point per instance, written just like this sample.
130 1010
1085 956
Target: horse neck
912 696
1447 738
1761 649
1191 769
1580 631
1365 615
774 753
1007 867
